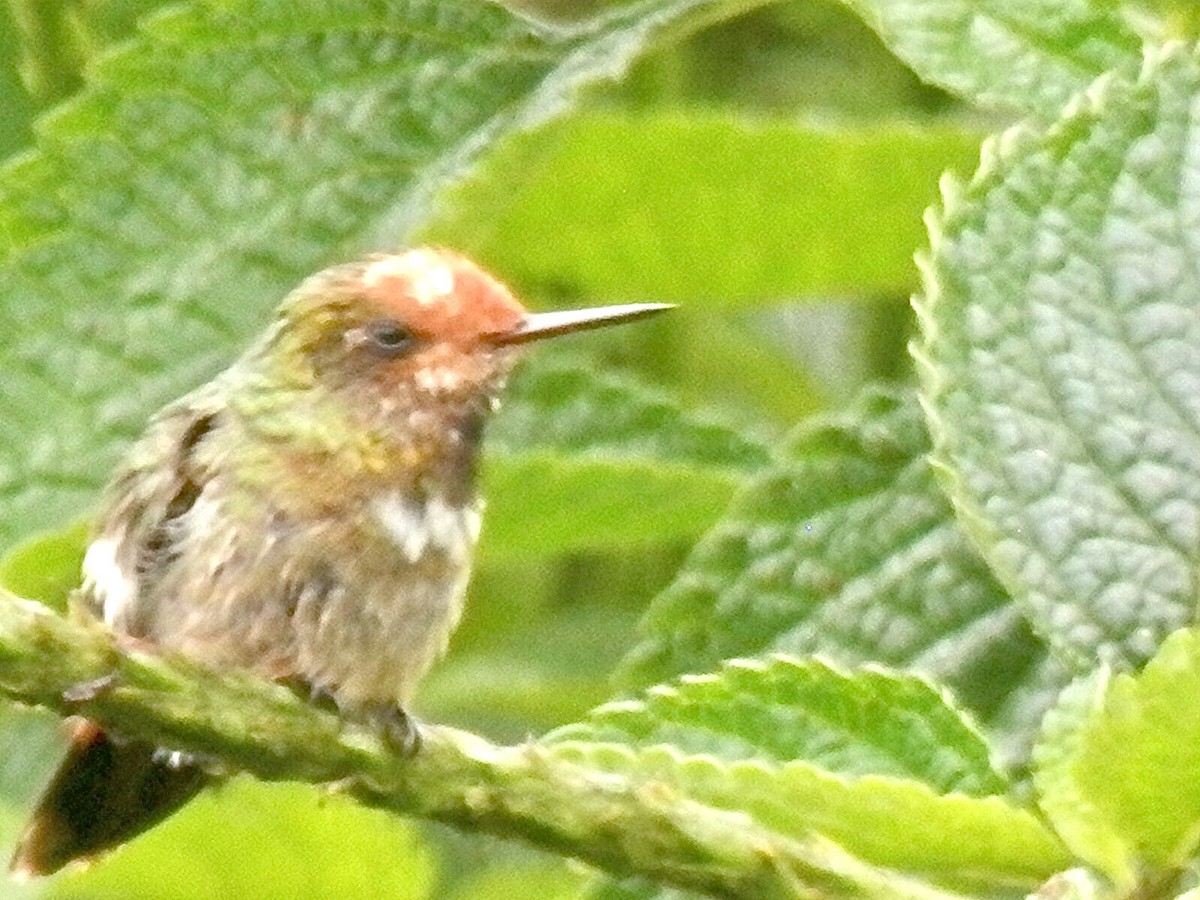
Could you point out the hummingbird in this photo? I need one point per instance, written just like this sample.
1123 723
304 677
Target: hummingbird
309 514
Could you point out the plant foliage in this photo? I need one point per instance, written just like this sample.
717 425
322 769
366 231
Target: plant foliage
940 643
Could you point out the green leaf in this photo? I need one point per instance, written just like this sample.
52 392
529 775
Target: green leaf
536 879
58 40
506 688
577 459
725 359
865 722
539 639
1175 19
1114 765
584 205
45 567
254 840
1059 366
1027 55
16 107
200 175
1080 824
847 548
106 22
31 743
721 740
1138 755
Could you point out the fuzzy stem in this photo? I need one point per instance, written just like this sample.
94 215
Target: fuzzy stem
239 722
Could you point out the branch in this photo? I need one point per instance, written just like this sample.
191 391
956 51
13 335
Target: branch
238 722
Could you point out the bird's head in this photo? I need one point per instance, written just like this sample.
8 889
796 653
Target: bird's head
415 345
422 327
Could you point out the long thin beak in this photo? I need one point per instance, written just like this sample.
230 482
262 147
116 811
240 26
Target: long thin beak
536 326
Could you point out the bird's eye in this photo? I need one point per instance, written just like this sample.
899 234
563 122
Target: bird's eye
390 338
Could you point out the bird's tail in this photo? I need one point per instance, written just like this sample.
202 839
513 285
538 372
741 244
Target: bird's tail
105 792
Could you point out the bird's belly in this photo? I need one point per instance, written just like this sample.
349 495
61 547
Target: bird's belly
355 612
374 645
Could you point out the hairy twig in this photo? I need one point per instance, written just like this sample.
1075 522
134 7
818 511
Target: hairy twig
238 722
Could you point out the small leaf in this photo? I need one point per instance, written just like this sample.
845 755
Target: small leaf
576 459
1082 827
43 568
1029 55
537 210
1139 753
846 547
1059 368
16 106
866 722
719 740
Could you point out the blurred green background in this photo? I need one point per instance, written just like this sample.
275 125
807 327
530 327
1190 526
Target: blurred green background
839 148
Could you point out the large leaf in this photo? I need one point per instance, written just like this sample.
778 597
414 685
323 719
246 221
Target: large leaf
1059 363
774 209
537 879
577 459
15 106
846 547
253 840
200 175
720 740
865 722
45 567
1028 55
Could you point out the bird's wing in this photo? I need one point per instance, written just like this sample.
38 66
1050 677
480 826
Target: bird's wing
135 538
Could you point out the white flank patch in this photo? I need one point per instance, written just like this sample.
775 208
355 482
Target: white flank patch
416 527
103 576
429 279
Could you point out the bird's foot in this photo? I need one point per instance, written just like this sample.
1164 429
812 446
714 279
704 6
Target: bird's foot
320 697
390 721
396 727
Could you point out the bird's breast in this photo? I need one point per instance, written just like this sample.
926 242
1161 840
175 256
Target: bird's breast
418 527
395 598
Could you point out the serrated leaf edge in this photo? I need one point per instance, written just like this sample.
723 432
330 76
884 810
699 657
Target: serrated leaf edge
776 662
956 200
663 761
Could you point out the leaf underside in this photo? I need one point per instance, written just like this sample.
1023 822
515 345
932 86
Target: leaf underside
791 743
200 175
846 547
1026 55
1059 364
